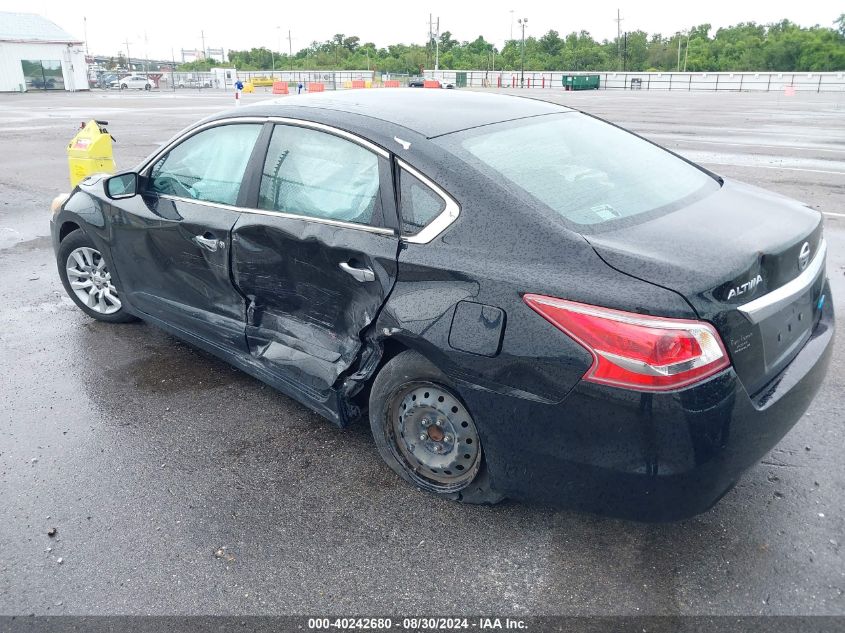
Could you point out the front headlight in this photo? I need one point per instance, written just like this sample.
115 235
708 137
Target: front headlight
57 202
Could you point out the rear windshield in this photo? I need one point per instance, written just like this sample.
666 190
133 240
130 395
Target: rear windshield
587 171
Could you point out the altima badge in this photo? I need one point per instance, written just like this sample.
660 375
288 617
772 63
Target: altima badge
748 286
804 256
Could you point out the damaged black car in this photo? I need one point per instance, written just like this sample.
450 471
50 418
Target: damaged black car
523 300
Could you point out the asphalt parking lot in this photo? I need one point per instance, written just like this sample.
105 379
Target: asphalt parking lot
179 485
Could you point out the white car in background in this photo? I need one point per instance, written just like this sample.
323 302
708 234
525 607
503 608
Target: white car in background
139 82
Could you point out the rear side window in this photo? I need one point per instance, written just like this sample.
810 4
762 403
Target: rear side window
586 170
319 175
418 204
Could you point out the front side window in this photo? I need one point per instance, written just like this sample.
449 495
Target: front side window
319 175
208 166
418 204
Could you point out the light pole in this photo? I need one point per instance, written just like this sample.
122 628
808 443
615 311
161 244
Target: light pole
522 22
511 23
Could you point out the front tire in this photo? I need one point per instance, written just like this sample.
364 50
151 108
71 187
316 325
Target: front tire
425 433
86 276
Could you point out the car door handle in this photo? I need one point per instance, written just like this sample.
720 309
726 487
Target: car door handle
360 274
208 243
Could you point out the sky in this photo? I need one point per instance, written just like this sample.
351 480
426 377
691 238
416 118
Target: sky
155 27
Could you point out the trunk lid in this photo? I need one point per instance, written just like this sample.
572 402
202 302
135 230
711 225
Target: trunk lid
726 252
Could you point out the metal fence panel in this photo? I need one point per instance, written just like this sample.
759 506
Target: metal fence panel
739 81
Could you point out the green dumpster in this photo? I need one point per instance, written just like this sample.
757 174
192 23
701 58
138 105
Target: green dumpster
580 82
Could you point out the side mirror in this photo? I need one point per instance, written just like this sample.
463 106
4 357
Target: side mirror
122 186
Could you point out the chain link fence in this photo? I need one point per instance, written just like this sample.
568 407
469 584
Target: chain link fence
225 78
737 82
262 81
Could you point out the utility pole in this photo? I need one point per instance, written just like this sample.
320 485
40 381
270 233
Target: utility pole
427 58
290 51
522 22
202 35
128 57
430 36
680 35
618 21
435 37
437 47
511 24
85 29
625 51
686 52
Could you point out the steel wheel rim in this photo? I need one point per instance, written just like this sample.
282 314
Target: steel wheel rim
90 280
434 437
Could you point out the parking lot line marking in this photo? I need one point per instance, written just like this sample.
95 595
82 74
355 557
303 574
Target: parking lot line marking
752 145
835 215
815 171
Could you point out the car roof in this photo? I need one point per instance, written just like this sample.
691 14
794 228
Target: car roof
429 112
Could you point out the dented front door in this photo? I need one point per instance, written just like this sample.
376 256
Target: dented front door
315 260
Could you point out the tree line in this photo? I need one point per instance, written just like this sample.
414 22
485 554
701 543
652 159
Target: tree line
782 46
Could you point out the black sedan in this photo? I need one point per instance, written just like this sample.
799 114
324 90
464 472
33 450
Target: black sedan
524 300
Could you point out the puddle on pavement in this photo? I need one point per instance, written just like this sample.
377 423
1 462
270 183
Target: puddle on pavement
174 369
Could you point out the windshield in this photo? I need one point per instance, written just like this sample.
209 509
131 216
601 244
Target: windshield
586 170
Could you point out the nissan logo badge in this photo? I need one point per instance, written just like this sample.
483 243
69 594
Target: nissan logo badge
804 256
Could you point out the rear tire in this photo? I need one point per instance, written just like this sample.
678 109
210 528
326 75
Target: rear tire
86 276
425 433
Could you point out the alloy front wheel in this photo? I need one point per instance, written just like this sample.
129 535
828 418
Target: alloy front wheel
87 278
90 280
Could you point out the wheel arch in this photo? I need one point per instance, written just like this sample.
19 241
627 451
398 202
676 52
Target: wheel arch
67 227
384 349
478 488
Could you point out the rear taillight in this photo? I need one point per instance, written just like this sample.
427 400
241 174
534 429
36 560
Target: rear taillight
635 351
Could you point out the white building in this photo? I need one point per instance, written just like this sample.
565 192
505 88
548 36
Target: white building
35 54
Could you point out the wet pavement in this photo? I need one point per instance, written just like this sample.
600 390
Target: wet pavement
178 484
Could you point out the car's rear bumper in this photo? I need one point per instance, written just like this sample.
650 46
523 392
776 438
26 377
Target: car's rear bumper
657 457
